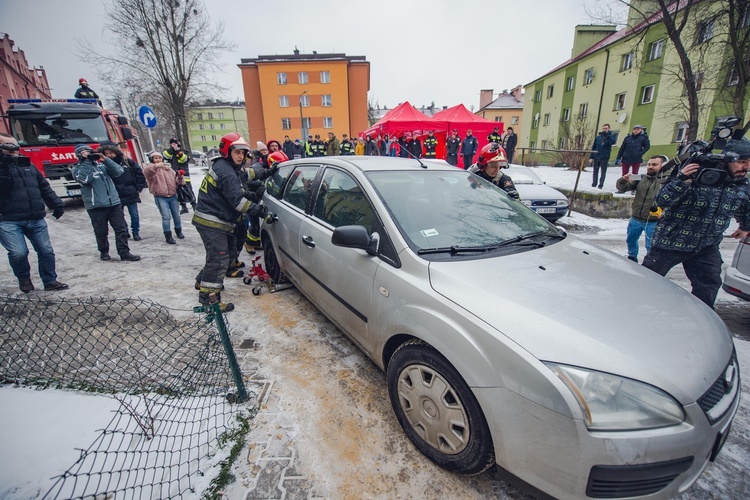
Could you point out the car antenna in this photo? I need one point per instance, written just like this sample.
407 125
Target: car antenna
416 158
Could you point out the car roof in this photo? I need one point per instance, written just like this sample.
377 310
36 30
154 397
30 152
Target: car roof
378 163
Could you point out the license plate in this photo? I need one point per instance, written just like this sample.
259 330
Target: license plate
74 192
545 210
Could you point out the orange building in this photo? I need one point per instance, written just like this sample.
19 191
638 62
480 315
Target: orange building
302 94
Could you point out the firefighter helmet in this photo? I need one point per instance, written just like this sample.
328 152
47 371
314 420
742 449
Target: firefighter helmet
82 80
230 141
277 157
492 152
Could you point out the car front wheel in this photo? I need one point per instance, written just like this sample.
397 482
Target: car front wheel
437 410
272 263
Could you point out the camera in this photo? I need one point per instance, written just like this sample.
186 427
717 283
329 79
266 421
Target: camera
95 156
19 161
712 168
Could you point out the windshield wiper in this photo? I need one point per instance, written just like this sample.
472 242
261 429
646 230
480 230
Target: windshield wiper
517 241
456 249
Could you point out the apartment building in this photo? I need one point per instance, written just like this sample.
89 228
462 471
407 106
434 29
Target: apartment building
210 120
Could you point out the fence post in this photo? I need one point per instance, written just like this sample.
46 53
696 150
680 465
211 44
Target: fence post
575 188
227 343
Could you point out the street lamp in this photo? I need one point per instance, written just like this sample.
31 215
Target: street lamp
301 119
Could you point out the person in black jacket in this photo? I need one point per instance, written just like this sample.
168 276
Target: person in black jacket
84 91
452 146
128 185
632 150
288 147
24 192
469 149
179 160
600 158
371 147
509 143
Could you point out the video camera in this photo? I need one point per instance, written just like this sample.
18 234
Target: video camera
17 160
712 171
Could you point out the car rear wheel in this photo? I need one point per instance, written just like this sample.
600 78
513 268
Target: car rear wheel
437 410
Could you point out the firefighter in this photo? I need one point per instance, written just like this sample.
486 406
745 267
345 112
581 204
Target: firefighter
430 145
178 159
221 203
318 147
84 91
491 159
347 148
495 136
252 239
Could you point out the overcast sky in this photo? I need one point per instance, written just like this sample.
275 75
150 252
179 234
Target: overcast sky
419 51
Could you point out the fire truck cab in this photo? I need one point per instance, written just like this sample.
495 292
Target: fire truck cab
49 130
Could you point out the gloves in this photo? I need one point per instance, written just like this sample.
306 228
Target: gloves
618 161
58 212
255 196
271 218
257 210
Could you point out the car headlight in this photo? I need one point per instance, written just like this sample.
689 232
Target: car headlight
613 403
526 202
562 203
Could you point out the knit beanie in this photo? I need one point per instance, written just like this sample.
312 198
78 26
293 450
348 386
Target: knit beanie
261 146
81 148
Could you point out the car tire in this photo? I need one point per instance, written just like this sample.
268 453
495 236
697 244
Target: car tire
437 410
271 262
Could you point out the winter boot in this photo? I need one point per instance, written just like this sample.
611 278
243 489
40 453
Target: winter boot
203 298
55 286
136 236
184 209
129 257
178 233
25 285
105 256
168 237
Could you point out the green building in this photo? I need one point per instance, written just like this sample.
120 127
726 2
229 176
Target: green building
627 77
208 121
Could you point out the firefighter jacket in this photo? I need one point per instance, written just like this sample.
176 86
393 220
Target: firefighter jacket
24 192
318 148
502 181
696 217
177 159
430 145
85 92
97 187
221 197
495 137
346 148
452 145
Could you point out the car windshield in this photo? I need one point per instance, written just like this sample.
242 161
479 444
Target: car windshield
523 176
455 211
39 129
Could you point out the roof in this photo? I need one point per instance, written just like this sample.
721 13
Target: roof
459 113
505 101
617 36
301 58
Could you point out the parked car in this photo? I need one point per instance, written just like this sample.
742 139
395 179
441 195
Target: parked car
737 275
535 194
504 339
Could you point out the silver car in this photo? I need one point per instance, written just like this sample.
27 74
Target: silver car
737 275
505 340
535 194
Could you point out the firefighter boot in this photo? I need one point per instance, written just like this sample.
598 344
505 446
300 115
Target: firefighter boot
204 299
168 237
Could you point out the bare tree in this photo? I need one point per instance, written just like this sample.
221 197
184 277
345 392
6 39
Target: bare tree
576 137
167 47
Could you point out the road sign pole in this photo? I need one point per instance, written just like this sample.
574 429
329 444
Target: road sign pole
151 138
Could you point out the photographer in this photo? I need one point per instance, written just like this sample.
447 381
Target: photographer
178 159
101 200
695 218
24 192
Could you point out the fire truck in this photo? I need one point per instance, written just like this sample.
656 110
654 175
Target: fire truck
49 130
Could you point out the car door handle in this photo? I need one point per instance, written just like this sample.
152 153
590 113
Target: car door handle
308 240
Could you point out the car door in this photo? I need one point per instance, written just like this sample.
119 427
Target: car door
339 280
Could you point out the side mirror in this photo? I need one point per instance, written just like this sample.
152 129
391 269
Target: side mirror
356 237
122 120
127 134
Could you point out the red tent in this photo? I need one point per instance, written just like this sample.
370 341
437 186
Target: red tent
405 118
461 119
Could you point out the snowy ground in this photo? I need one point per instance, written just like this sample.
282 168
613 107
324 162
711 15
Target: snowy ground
39 430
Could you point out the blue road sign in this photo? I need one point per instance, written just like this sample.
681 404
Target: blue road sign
147 116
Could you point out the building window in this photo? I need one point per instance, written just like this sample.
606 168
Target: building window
620 101
203 138
200 116
213 137
281 78
304 100
222 126
680 132
544 144
325 77
200 127
284 101
615 136
571 83
698 81
546 119
588 77
583 110
550 91
535 123
286 123
705 31
562 142
327 122
210 116
734 75
532 145
656 49
514 120
221 116
211 126
538 96
302 77
306 123
325 100
647 96
498 118
627 61
566 115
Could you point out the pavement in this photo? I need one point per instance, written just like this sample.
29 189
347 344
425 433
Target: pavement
737 317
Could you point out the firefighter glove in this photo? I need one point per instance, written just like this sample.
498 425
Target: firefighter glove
257 210
58 212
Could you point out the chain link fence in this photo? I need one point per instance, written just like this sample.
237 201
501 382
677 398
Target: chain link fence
172 380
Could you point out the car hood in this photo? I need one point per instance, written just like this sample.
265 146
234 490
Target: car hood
539 191
577 304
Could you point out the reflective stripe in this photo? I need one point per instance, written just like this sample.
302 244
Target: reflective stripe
210 287
212 221
243 206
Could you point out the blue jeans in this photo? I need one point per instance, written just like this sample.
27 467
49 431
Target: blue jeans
167 207
13 236
135 220
635 229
